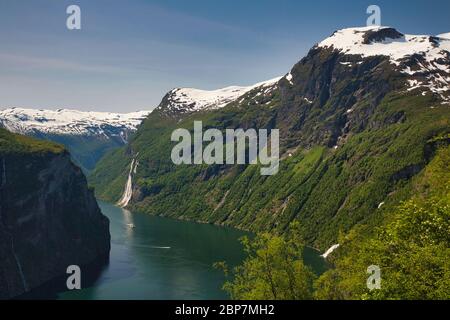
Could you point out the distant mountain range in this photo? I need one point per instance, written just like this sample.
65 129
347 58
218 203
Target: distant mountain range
90 135
73 122
364 122
87 135
421 59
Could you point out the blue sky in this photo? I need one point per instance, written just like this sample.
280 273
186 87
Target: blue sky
128 54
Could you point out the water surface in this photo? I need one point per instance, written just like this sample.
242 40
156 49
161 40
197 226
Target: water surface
160 258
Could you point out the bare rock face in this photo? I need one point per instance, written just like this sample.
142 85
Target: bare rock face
381 35
49 219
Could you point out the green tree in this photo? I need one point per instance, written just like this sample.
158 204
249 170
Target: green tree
412 248
274 269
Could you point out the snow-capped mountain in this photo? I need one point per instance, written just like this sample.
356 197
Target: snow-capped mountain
421 64
70 122
353 135
87 135
386 41
187 100
425 59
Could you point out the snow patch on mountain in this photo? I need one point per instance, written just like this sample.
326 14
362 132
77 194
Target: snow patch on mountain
70 122
192 100
389 42
289 78
424 58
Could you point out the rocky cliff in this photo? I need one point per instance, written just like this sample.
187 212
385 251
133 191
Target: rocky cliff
49 219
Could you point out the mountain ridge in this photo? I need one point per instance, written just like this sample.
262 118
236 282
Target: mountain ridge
188 100
424 58
351 137
87 135
67 121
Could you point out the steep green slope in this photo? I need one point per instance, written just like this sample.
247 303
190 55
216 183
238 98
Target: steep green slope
86 151
411 246
15 143
351 137
327 190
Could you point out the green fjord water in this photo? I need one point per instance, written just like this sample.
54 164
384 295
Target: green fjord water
162 258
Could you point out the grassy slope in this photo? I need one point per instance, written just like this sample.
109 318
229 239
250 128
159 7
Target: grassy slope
24 151
384 141
410 244
327 190
15 143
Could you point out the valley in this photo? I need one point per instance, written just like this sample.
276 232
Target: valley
162 259
87 135
359 170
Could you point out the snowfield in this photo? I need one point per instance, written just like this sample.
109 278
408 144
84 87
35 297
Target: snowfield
67 122
191 100
351 42
424 59
431 73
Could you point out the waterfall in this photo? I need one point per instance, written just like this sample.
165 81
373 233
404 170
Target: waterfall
19 266
329 251
13 250
128 192
4 173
